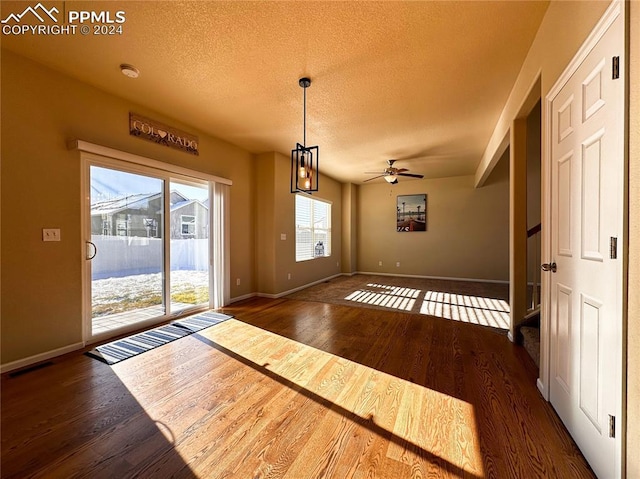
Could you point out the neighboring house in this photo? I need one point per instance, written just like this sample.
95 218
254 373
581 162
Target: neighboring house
139 215
189 218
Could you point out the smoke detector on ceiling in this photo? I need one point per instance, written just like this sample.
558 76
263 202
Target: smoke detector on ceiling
129 70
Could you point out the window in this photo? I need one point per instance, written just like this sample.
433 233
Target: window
188 225
123 229
313 228
151 225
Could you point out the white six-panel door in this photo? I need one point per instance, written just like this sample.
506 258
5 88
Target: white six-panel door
587 186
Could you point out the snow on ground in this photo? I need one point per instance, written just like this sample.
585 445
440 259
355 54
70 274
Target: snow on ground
114 290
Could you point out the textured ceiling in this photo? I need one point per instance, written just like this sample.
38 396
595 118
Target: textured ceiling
419 81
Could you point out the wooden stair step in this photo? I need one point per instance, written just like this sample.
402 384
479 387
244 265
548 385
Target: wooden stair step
531 342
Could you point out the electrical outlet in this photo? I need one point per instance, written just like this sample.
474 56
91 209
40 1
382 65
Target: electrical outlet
50 234
283 236
379 263
237 281
288 275
398 264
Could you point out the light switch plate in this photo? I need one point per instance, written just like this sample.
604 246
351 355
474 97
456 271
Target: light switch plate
50 234
283 236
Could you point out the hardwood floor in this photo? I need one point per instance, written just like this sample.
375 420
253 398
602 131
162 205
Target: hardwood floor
293 389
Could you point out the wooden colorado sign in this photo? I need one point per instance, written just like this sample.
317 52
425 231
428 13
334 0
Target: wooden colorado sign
162 134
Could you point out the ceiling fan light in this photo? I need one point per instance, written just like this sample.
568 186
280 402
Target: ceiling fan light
391 179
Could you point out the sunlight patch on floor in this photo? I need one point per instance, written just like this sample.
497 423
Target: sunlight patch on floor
456 307
362 394
468 309
394 297
354 394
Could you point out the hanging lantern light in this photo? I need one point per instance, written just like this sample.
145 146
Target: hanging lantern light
304 159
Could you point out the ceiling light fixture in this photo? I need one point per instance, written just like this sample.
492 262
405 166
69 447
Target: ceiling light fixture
393 179
129 71
304 159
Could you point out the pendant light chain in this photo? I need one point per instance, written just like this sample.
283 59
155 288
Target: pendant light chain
304 117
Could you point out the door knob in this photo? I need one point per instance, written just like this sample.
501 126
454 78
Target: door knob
553 267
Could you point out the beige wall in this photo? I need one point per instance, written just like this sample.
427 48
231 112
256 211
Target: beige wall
264 199
467 229
304 272
534 201
41 110
276 212
349 228
563 30
41 282
534 181
633 317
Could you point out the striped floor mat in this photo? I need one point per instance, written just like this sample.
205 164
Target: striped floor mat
125 348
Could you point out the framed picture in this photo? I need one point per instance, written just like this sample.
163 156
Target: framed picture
411 213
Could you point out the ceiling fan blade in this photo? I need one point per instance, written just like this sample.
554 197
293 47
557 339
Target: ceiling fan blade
375 173
411 175
374 178
401 170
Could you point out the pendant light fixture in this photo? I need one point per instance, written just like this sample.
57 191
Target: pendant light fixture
304 159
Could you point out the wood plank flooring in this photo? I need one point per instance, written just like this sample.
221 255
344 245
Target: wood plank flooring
293 389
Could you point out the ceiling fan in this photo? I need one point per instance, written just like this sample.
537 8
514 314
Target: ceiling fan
391 174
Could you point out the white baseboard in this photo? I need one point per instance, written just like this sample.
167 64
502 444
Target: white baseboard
444 278
242 298
285 293
21 363
268 295
304 286
542 389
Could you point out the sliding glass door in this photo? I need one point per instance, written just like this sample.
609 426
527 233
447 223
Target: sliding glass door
127 265
149 250
189 237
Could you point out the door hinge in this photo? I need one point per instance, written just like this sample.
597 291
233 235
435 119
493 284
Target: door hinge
612 426
615 67
613 247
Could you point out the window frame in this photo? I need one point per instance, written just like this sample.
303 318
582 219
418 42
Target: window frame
184 223
324 232
91 154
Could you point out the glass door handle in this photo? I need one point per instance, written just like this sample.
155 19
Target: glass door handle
95 250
